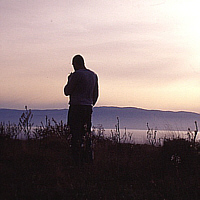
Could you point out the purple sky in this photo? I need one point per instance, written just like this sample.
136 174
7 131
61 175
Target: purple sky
146 52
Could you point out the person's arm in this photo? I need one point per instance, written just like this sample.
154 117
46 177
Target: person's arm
96 92
71 84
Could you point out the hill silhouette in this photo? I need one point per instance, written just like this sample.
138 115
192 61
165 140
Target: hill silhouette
130 117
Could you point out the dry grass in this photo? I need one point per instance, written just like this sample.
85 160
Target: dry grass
43 169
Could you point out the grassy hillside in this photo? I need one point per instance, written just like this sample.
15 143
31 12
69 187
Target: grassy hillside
42 168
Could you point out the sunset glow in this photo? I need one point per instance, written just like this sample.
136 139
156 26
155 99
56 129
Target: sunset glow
146 53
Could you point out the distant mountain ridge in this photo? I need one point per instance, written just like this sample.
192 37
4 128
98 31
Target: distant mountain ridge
130 117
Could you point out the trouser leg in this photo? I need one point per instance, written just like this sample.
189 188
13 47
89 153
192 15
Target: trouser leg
79 120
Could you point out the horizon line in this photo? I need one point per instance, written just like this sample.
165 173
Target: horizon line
45 109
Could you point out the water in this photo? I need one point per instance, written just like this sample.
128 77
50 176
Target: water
141 136
137 136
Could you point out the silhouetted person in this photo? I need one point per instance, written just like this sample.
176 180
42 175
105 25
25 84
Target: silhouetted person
82 88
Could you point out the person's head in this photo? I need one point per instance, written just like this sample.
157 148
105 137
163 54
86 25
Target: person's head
78 62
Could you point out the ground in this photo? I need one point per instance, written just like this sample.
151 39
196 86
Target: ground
44 169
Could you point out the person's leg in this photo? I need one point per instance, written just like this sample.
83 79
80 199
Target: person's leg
88 154
79 120
74 122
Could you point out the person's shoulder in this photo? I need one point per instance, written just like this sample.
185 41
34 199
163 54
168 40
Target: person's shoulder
85 72
92 72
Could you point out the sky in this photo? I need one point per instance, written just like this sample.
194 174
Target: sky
146 52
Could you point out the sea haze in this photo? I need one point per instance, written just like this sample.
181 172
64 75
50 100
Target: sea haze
129 117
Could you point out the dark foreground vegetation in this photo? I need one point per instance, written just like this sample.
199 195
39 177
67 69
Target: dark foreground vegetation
42 168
